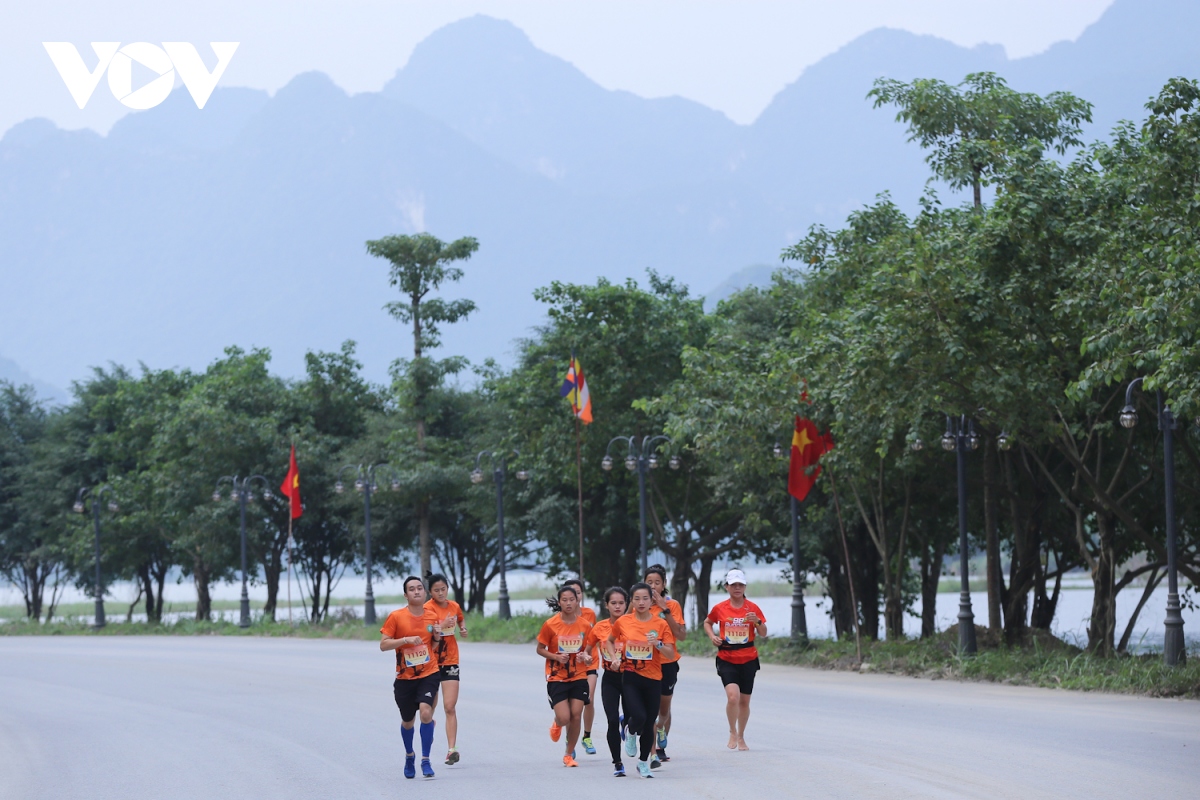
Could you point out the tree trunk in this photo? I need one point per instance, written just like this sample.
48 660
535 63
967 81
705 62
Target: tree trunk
680 577
1102 627
842 607
1156 576
1044 604
423 530
147 591
931 575
1024 516
867 583
995 576
200 576
272 568
159 571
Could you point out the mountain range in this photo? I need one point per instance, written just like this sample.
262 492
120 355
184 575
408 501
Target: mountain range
184 231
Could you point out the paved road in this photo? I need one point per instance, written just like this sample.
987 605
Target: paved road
168 717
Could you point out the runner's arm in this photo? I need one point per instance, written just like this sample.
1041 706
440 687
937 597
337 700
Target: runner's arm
545 653
387 643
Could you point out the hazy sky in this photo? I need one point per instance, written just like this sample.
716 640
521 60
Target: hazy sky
732 56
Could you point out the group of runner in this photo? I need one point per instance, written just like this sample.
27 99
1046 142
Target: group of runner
635 645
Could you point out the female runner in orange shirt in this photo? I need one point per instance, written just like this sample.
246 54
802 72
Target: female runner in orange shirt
412 632
450 621
647 640
560 642
739 622
616 601
671 613
589 708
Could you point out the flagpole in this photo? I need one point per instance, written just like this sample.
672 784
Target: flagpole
289 544
579 482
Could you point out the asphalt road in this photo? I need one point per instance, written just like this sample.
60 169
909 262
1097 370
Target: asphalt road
176 717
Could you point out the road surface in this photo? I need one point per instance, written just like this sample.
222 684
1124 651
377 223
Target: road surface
222 717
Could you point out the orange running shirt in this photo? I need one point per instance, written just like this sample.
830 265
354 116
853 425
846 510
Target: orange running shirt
599 633
414 661
736 635
640 654
449 618
589 616
676 612
560 637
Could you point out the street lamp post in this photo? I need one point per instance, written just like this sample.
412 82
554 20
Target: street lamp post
79 508
364 482
1174 652
498 467
960 436
640 458
241 492
799 622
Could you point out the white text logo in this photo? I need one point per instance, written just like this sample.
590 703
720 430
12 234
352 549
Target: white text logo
172 57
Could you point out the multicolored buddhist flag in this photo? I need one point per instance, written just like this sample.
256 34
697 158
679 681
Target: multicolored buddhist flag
808 445
291 486
575 389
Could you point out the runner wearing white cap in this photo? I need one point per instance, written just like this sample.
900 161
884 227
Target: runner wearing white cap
738 623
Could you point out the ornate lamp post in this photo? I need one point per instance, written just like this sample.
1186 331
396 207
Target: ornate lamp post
498 467
1174 652
640 459
79 508
364 481
799 622
242 492
960 436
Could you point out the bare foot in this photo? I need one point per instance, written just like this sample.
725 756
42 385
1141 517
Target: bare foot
741 744
733 741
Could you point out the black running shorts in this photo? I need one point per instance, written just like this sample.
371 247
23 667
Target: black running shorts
741 674
558 691
411 695
670 678
449 672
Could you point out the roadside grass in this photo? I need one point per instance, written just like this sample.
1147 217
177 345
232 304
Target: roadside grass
1045 661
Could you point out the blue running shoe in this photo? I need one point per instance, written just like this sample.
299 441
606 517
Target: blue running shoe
618 770
631 745
426 768
644 769
588 747
410 765
661 736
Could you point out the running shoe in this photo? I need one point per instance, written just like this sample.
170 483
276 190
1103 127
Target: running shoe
631 745
555 732
622 726
426 768
661 739
644 769
618 770
654 762
410 765
452 756
588 747
662 755
569 761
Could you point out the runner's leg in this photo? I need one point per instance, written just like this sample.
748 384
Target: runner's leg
450 705
589 711
651 693
576 716
610 694
733 704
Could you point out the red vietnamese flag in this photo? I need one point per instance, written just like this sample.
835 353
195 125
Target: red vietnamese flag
291 486
808 445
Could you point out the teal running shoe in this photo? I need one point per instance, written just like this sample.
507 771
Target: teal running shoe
631 745
644 769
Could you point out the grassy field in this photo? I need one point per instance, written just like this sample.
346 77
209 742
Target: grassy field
1046 661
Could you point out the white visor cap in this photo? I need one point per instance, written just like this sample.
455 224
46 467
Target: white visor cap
735 576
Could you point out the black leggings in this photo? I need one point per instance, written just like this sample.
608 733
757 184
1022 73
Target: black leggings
641 696
610 694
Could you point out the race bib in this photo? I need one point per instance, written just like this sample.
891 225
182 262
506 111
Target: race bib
570 644
415 656
639 650
737 632
449 625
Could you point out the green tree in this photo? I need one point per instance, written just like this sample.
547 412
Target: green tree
420 264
